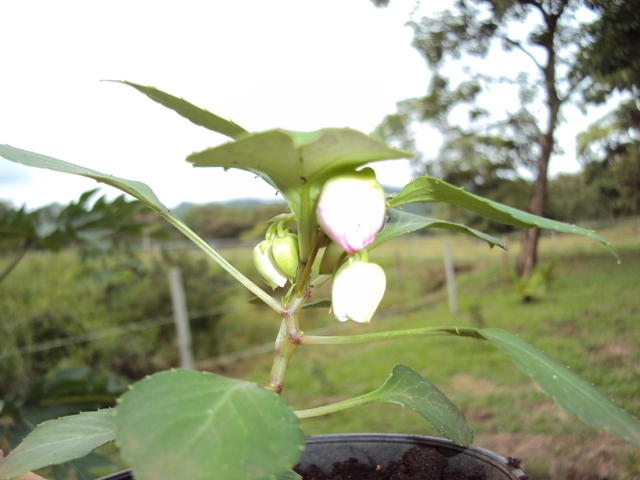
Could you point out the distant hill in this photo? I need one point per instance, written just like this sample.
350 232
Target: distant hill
247 203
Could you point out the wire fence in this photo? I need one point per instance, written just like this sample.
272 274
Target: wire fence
195 315
464 248
108 332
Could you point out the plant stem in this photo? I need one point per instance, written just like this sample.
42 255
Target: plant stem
392 335
261 294
319 281
335 407
305 218
302 282
289 337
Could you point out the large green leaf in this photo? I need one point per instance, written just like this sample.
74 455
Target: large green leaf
429 189
572 393
196 425
298 164
140 191
408 388
136 189
196 115
399 223
58 441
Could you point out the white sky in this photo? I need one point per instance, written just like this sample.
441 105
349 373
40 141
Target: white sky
295 64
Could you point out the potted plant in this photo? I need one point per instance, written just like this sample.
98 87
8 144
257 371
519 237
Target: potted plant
189 424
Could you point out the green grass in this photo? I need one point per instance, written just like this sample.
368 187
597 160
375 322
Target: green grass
589 320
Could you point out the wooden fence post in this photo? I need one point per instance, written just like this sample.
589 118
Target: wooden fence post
181 318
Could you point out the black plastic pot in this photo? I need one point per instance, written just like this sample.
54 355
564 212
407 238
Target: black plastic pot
379 449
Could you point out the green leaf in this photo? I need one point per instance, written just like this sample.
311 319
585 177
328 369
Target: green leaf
140 191
571 393
407 388
429 189
298 164
197 425
289 475
58 441
290 160
318 304
399 223
189 111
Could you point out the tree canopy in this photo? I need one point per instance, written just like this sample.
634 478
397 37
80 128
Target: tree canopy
567 44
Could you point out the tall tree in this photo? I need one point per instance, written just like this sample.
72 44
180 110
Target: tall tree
612 56
546 32
610 150
610 147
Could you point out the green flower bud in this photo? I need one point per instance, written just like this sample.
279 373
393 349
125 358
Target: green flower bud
284 251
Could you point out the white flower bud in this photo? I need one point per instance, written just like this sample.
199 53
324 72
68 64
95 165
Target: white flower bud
351 209
267 267
357 290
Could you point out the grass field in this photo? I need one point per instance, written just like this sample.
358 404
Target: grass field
589 319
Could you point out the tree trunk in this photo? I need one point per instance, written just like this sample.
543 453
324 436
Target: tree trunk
528 255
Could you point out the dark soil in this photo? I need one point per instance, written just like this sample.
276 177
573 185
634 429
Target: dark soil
418 463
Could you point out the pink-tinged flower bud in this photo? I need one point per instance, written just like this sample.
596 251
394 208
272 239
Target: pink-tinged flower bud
351 209
284 251
266 265
357 290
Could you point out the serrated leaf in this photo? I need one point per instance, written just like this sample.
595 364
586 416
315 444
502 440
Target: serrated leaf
429 189
408 388
571 393
196 425
290 160
57 441
138 190
134 188
298 164
194 114
399 223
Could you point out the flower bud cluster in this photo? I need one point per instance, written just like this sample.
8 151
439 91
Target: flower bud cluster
276 257
351 211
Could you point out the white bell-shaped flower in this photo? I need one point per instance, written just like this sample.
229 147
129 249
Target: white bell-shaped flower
267 267
351 209
357 290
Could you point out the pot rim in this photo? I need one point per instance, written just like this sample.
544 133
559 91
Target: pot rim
450 447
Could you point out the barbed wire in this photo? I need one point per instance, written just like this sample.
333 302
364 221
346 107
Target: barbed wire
168 319
388 312
108 332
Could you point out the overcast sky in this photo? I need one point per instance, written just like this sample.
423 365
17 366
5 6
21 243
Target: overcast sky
295 64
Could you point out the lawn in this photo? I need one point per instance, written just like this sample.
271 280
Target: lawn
588 320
